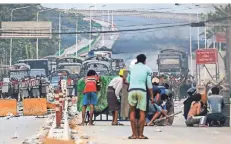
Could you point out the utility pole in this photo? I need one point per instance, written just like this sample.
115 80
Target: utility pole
103 26
90 28
76 38
198 47
11 39
37 43
190 39
228 74
205 72
59 32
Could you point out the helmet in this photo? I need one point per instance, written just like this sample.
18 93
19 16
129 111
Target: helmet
191 91
155 80
121 73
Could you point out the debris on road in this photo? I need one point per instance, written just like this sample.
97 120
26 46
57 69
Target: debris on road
15 135
84 137
158 130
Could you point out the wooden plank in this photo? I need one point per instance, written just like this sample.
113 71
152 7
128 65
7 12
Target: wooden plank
8 106
34 107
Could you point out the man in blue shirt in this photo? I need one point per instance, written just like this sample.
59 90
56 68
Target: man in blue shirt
139 77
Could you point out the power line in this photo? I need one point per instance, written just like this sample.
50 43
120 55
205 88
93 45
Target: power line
125 30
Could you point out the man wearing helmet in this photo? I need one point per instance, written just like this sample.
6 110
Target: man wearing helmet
113 96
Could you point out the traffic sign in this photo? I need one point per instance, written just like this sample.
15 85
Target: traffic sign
221 37
206 56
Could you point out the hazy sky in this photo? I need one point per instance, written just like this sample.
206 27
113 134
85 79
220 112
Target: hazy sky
184 8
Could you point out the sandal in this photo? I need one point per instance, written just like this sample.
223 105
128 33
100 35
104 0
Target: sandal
151 124
143 137
131 137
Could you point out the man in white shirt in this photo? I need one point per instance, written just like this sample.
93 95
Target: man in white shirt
113 96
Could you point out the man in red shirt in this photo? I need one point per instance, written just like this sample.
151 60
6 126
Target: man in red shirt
90 94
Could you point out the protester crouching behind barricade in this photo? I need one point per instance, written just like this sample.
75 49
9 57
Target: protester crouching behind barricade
195 115
90 94
113 96
159 108
153 110
138 77
216 104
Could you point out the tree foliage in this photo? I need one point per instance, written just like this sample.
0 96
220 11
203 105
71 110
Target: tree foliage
26 48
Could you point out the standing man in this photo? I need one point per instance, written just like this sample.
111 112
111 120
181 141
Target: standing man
44 85
70 87
139 77
90 95
113 96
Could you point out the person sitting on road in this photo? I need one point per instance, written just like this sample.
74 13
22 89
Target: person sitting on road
90 94
187 103
159 107
216 103
113 96
194 115
154 110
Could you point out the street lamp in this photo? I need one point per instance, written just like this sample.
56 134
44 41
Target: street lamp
190 37
60 30
76 36
102 25
90 28
37 21
11 40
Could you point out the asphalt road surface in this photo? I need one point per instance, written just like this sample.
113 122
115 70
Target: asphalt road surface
104 133
21 127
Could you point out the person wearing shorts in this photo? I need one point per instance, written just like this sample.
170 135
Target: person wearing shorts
139 77
90 95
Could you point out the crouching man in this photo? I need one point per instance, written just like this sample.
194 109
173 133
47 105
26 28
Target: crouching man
216 104
195 113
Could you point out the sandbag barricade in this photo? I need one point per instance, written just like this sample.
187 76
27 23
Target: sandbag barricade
8 106
34 107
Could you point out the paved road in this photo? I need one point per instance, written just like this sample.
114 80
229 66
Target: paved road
23 127
176 134
103 133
